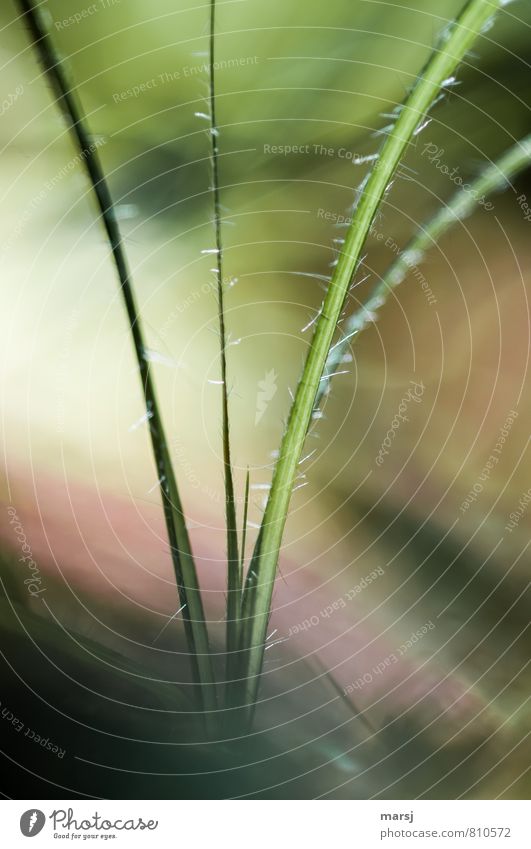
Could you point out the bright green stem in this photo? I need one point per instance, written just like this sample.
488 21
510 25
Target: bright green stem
183 563
494 178
262 573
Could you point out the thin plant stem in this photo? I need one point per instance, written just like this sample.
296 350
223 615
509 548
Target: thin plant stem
244 525
493 179
262 573
233 572
183 563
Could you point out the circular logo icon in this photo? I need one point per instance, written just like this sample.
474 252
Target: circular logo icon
31 822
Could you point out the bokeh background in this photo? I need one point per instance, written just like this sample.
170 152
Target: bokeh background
84 663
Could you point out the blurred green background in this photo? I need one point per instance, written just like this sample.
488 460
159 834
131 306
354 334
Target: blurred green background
322 79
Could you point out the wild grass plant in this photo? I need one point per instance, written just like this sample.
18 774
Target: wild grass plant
250 581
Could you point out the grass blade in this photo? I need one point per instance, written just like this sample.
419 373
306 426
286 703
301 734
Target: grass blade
183 563
233 659
244 525
233 571
260 580
494 178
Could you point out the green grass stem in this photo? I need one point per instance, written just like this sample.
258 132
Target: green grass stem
453 46
181 552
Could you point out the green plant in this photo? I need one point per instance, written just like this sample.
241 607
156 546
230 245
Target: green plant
234 578
249 602
494 178
412 115
181 552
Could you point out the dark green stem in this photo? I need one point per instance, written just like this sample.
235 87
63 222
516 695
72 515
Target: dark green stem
183 563
233 571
